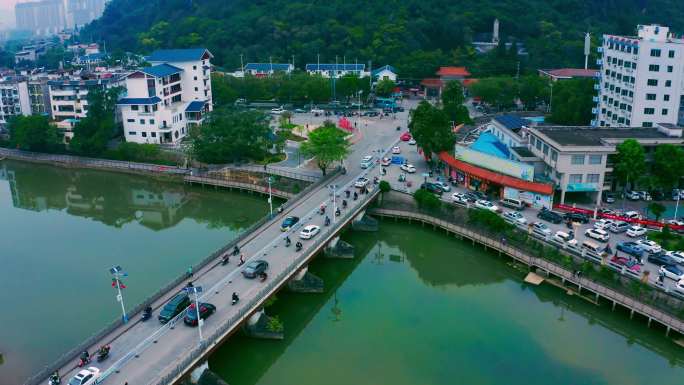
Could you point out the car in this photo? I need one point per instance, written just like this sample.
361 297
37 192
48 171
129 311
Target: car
619 227
255 268
649 246
366 161
309 232
471 196
412 142
679 287
644 195
277 111
299 111
405 137
541 228
598 234
174 307
563 237
385 162
677 256
661 259
317 111
632 215
672 272
409 168
396 150
608 197
630 263
676 194
676 225
605 211
361 182
576 217
432 187
444 186
371 113
633 195
514 217
549 216
603 224
288 223
486 205
86 376
636 231
631 248
206 309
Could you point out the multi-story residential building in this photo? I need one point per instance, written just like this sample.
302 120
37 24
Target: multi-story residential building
50 17
39 95
579 159
265 69
14 98
165 100
640 79
337 70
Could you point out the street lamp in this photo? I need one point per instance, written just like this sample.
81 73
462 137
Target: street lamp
118 272
270 195
196 290
676 207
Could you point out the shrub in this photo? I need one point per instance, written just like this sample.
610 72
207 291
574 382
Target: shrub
488 219
275 325
426 199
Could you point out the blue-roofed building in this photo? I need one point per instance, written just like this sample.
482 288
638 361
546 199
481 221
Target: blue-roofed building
162 70
508 130
337 70
490 145
179 55
384 73
69 97
266 69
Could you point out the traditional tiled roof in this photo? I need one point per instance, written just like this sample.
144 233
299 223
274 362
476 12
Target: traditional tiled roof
453 71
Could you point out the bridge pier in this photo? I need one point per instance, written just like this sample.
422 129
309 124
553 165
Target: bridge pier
305 282
197 373
364 222
338 248
257 326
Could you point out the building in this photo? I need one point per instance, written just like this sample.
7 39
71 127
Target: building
508 129
432 87
337 70
567 73
14 99
51 17
81 12
39 95
266 69
386 72
579 159
640 83
91 59
31 53
165 100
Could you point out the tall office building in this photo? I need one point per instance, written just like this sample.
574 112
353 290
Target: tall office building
49 17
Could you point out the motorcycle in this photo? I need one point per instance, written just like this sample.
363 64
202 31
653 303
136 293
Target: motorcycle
103 353
54 380
84 359
287 242
298 246
147 313
225 259
337 212
235 299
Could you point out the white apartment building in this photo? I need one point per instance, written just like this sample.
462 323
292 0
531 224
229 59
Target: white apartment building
337 70
14 99
165 100
640 79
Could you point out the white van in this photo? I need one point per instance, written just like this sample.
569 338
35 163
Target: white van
593 247
512 203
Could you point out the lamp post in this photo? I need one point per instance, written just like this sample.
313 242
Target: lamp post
676 207
196 290
118 272
270 195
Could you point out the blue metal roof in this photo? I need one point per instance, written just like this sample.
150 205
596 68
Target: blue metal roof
490 145
177 55
161 70
195 106
387 67
264 67
335 67
139 101
512 122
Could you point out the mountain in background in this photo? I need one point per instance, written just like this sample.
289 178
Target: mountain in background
416 36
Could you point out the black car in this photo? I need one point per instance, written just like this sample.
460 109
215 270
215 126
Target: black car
433 188
576 217
174 307
288 223
255 268
661 259
206 309
550 216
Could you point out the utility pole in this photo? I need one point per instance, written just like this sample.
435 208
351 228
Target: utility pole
587 49
197 290
370 78
270 196
242 66
270 61
118 273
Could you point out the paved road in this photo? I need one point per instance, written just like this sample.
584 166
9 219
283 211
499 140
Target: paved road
267 243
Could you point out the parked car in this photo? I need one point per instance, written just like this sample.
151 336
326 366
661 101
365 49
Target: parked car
603 224
396 150
367 161
576 217
627 262
444 186
361 182
512 203
405 137
514 217
549 216
317 111
631 248
471 196
608 197
431 187
409 168
661 259
85 376
412 142
597 234
677 256
633 195
605 211
288 223
679 287
486 205
636 231
206 309
309 232
541 228
649 246
174 307
277 110
385 162
619 227
672 272
459 198
255 268
632 215
644 195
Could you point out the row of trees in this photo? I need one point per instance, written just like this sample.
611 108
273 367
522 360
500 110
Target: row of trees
664 171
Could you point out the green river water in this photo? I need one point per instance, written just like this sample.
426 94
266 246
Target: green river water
414 307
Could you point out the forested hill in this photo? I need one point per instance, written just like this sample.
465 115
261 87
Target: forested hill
414 35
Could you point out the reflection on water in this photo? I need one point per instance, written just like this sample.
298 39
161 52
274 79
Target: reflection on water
417 307
63 228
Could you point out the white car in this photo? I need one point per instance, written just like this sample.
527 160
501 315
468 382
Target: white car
277 111
412 142
632 215
679 287
385 162
309 232
541 228
678 256
317 111
486 205
598 234
645 195
367 161
515 217
396 150
459 198
409 168
649 246
86 376
361 182
672 272
603 224
445 187
636 231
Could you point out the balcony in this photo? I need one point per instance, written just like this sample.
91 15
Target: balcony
597 87
595 99
599 49
599 62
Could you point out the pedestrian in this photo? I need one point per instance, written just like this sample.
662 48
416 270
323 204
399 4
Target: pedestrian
190 271
503 240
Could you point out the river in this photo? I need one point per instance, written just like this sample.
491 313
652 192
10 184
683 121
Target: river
62 229
418 307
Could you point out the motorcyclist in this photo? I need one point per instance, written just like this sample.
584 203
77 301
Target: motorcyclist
236 250
287 241
347 193
54 378
298 245
327 220
337 212
104 350
356 195
85 357
235 297
344 203
225 259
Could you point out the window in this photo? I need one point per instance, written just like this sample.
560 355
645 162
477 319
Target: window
151 121
664 111
649 111
654 67
154 134
142 121
539 145
655 52
592 178
194 77
132 133
668 83
575 178
130 120
554 155
577 159
194 67
671 54
546 149
196 89
144 134
650 96
652 82
647 124
669 68
134 108
595 159
666 97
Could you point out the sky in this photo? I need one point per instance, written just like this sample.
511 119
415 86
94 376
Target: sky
7 13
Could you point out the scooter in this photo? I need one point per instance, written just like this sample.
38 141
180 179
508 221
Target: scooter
337 212
147 313
225 259
298 246
235 300
103 353
84 360
54 380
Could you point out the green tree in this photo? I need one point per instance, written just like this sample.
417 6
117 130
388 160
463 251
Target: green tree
630 161
452 103
33 133
668 165
231 135
92 133
499 92
384 188
533 89
571 102
384 88
426 199
430 127
327 144
657 209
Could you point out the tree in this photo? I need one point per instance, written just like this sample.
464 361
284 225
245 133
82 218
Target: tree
571 102
92 133
327 144
499 92
33 133
430 128
231 135
533 89
426 199
668 165
657 209
452 103
384 88
630 161
384 187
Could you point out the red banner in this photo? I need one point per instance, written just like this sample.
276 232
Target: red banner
644 222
